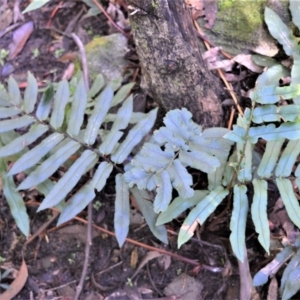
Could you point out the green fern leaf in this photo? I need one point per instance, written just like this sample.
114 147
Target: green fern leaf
77 203
85 162
181 179
137 176
271 269
101 108
289 112
50 165
122 210
77 110
238 221
122 93
31 92
97 85
146 207
4 98
215 178
179 205
6 112
199 160
289 130
164 136
110 143
288 158
32 157
200 213
44 106
123 115
289 199
280 31
292 265
164 191
18 144
295 74
292 285
272 76
230 169
269 159
259 213
265 113
236 135
61 99
295 12
135 135
14 92
103 172
16 123
16 204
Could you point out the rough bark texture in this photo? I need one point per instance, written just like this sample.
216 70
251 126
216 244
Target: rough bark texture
173 71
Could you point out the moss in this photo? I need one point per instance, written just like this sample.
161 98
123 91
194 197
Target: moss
239 18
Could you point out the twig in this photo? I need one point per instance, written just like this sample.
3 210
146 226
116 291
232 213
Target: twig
83 60
90 205
110 19
87 252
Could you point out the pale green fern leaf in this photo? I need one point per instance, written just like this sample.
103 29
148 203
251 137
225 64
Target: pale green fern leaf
292 285
100 177
237 134
289 199
265 113
139 177
238 221
16 123
77 203
179 205
181 179
122 93
164 136
6 112
122 210
280 31
101 108
295 12
272 76
110 142
97 85
245 170
32 157
50 165
4 98
16 204
70 179
292 265
288 159
124 114
269 159
78 108
31 92
271 269
135 135
259 213
289 112
44 107
215 178
14 92
289 130
295 73
60 101
200 213
142 198
163 191
18 144
199 160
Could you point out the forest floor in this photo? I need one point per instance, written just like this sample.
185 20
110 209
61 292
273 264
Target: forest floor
204 268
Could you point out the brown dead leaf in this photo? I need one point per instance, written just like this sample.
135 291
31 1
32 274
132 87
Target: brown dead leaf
20 37
134 258
17 284
273 289
245 60
211 10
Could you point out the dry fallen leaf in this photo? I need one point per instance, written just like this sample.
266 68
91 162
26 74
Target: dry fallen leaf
197 4
20 37
17 284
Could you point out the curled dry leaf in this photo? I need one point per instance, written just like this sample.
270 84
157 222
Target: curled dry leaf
197 4
17 284
20 37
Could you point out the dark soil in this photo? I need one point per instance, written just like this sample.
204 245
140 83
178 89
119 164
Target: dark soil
55 259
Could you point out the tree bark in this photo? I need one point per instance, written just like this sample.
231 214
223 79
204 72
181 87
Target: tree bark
173 71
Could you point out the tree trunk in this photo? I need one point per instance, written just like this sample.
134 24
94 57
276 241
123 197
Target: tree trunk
173 71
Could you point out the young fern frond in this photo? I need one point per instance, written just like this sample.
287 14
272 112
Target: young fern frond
67 136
